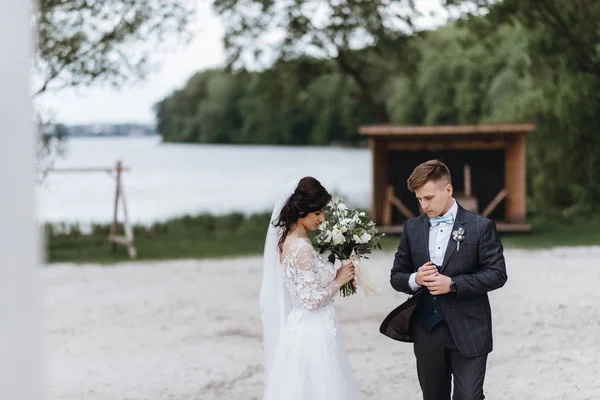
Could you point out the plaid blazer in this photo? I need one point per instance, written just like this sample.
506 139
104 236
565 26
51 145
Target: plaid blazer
477 268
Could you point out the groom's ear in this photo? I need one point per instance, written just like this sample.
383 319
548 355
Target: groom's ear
449 189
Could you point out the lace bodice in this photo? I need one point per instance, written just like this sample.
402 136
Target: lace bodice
308 276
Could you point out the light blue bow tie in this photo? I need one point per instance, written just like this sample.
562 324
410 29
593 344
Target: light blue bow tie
448 219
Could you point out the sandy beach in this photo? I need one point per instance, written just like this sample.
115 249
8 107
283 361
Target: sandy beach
191 330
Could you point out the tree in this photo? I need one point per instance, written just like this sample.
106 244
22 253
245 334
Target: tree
464 79
368 40
561 32
298 102
562 45
85 42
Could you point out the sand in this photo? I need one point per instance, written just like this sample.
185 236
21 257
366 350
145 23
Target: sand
191 330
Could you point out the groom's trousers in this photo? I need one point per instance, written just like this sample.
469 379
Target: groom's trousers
438 360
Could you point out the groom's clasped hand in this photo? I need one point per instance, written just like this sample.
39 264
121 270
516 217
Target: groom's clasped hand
436 283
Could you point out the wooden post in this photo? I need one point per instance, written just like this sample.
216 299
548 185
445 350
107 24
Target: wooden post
114 228
466 198
21 364
467 178
114 238
379 152
515 178
127 226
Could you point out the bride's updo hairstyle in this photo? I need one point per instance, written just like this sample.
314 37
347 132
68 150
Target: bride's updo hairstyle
309 196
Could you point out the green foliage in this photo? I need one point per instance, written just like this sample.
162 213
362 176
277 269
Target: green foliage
86 42
502 62
49 146
559 78
297 102
345 231
80 42
202 236
209 236
366 40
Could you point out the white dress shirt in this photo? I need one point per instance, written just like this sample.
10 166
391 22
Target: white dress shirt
439 236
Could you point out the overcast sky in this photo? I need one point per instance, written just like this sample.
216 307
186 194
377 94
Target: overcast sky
98 105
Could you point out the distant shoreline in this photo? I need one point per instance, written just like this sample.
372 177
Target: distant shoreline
100 130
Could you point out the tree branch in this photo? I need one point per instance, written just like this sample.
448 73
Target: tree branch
73 56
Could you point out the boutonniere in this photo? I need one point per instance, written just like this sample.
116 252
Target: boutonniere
458 236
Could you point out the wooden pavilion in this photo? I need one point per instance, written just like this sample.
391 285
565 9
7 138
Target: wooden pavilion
487 163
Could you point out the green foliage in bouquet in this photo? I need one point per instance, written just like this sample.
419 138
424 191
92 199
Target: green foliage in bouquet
346 233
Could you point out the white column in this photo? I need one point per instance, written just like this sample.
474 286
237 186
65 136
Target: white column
20 333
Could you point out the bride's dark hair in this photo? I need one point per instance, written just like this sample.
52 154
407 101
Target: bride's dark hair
309 196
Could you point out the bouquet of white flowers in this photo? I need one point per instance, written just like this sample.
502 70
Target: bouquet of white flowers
348 235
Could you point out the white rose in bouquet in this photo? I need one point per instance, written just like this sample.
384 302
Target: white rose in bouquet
362 239
337 236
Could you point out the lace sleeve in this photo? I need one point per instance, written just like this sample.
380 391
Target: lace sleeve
311 292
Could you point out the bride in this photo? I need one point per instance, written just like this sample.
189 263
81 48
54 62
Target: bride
305 357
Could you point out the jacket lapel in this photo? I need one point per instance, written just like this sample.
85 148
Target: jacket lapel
451 249
423 239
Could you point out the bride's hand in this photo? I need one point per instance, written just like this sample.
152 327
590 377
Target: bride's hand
345 274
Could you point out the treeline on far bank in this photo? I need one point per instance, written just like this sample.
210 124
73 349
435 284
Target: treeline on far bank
447 76
493 69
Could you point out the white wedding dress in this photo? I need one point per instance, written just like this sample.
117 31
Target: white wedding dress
310 362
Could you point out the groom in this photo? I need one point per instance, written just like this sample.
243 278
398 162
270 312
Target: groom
456 258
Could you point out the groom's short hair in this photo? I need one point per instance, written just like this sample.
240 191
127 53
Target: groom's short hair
432 170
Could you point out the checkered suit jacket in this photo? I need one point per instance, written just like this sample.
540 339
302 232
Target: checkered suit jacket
477 269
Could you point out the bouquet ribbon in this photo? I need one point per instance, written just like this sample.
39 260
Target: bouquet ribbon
362 277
